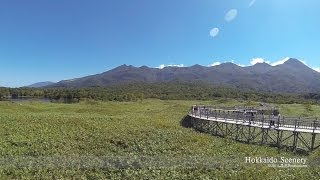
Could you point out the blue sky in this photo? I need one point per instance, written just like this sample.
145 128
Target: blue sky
46 40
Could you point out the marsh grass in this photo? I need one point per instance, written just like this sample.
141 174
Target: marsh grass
129 130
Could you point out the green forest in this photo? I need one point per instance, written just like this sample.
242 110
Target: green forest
163 91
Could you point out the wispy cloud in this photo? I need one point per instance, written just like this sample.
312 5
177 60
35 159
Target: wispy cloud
316 69
215 64
258 60
262 60
281 61
252 3
231 15
252 62
241 65
214 32
276 63
170 65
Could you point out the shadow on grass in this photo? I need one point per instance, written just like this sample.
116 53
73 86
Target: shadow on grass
186 122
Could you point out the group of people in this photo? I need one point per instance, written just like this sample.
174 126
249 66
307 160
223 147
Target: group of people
274 119
250 115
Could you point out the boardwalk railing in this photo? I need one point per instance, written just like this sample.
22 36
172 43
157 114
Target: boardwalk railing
251 116
249 124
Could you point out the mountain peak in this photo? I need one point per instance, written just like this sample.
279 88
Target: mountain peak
294 62
123 67
296 65
228 64
197 66
262 65
144 67
259 67
291 76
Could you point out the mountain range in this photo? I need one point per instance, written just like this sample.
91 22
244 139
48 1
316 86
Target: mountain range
290 77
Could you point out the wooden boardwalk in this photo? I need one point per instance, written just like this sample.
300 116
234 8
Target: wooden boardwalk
251 126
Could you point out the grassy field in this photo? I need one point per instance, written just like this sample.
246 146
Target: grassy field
142 140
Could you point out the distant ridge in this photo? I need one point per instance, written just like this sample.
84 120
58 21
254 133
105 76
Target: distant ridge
40 84
290 77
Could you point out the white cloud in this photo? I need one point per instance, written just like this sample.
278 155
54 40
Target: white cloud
170 65
215 64
316 69
241 65
258 60
252 62
280 61
231 15
284 60
161 66
252 3
214 32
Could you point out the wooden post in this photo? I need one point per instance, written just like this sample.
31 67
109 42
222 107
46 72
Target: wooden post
295 140
270 121
226 134
249 137
237 135
237 117
198 111
294 144
266 138
263 136
192 110
279 140
278 133
314 125
215 113
227 116
313 135
262 120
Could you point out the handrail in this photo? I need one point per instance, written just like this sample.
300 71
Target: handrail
208 112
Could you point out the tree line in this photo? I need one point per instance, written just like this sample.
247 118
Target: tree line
164 91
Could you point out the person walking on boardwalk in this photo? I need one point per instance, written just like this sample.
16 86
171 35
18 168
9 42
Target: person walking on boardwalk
251 117
272 120
279 119
244 116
